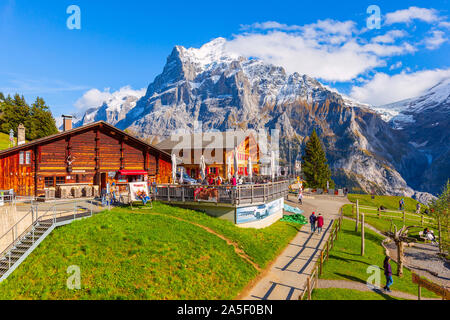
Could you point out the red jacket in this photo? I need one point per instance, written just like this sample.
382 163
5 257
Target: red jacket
319 221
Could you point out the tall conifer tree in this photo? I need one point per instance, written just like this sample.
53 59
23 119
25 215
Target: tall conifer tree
315 167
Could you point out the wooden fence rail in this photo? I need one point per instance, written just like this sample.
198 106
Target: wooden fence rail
312 281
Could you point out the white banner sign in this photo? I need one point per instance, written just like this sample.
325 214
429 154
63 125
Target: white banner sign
138 190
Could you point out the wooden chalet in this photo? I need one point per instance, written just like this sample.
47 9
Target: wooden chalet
92 155
217 148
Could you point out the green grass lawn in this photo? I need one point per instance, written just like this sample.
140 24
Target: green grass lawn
348 294
4 141
125 254
390 202
346 263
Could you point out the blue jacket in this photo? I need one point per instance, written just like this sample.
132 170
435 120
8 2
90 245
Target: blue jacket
312 219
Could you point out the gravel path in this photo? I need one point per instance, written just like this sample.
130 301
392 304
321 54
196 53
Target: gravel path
344 284
421 258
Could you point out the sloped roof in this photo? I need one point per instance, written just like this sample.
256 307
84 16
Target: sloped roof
100 124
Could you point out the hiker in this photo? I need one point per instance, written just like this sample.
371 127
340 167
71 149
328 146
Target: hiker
388 274
300 197
426 211
401 204
319 223
418 207
312 221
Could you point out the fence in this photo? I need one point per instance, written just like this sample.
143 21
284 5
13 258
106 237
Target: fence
234 195
55 213
312 281
395 214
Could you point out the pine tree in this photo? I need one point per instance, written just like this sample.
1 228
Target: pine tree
14 112
41 122
315 167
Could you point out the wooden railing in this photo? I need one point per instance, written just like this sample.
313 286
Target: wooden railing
227 194
394 214
312 281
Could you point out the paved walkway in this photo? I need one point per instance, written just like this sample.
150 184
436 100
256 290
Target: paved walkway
286 277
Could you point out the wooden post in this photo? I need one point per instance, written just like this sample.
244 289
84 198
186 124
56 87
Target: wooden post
357 215
439 235
379 213
308 283
419 292
404 217
362 234
328 249
421 220
321 262
316 284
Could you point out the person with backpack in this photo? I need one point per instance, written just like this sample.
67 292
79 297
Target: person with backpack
319 223
387 274
312 221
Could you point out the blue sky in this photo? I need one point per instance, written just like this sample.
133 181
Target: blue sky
126 43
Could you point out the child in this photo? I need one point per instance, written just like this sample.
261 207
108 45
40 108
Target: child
388 274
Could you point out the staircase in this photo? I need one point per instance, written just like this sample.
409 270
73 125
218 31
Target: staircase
17 253
39 229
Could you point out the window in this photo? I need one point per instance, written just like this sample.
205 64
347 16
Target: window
21 157
28 157
49 182
60 180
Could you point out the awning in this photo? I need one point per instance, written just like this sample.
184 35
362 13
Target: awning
133 172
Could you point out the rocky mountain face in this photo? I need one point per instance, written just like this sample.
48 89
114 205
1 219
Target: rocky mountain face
425 122
224 91
112 110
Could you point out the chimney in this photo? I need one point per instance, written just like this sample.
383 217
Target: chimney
67 123
20 134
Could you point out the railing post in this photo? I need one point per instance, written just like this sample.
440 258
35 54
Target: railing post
308 285
321 262
168 193
421 220
404 217
316 285
357 215
251 194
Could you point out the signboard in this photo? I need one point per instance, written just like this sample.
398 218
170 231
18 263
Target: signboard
254 213
111 174
137 190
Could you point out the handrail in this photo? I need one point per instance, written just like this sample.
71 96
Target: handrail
35 220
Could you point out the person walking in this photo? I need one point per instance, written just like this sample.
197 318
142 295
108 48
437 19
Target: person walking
319 223
312 221
418 207
300 197
388 274
401 204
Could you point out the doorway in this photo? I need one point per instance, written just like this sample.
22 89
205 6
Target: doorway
102 181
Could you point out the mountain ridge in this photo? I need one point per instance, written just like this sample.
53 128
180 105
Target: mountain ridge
222 90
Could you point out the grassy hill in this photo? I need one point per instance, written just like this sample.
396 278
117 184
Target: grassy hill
159 253
4 141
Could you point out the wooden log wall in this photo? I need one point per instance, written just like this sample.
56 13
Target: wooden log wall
92 152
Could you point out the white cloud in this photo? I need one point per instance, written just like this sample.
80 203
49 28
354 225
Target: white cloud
390 36
444 24
396 65
95 98
383 88
437 38
306 55
328 49
410 14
